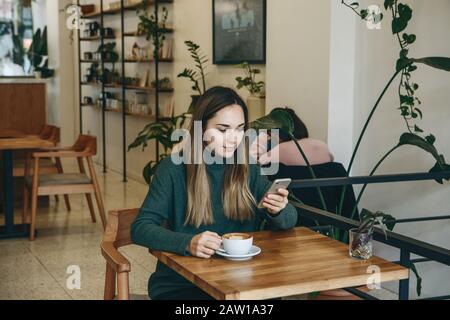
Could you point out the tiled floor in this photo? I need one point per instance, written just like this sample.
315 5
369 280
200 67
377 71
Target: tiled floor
38 270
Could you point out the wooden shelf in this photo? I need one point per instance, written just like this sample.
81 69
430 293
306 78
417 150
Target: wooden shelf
165 60
97 38
131 114
137 34
98 61
149 89
119 86
118 10
120 89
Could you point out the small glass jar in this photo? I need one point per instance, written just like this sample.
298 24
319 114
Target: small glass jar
360 244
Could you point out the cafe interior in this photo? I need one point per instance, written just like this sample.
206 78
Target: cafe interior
91 92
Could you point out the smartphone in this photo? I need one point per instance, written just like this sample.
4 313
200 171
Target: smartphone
277 184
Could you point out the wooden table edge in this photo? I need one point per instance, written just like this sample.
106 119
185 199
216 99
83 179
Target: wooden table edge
356 281
205 286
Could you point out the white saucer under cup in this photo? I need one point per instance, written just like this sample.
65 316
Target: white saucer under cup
254 251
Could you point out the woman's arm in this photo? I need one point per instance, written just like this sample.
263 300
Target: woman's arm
147 229
283 220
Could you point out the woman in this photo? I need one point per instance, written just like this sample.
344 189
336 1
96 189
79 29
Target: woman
201 202
316 151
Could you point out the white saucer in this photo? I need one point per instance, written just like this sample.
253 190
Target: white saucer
254 251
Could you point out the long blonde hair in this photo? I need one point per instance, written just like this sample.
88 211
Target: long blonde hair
238 201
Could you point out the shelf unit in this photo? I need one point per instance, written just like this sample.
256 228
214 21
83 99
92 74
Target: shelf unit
101 15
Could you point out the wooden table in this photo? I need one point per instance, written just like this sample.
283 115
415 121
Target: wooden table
292 262
14 140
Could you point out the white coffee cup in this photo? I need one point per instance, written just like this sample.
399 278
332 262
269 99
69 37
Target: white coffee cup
237 243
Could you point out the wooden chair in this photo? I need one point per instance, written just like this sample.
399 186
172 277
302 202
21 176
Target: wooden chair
117 235
47 165
61 183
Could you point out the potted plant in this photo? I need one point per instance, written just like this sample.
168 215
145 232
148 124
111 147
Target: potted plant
147 26
160 132
197 78
108 54
361 238
256 101
164 84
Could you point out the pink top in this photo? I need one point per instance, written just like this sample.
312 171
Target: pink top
316 152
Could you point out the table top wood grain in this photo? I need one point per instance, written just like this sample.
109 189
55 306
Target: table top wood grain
16 140
292 262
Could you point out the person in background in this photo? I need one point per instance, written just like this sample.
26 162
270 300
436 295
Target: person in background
286 152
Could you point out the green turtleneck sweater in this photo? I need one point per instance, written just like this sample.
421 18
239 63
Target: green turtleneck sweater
166 204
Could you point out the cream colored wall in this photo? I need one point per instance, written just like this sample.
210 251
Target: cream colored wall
298 60
193 21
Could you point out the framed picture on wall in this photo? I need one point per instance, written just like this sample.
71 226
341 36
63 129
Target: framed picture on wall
239 31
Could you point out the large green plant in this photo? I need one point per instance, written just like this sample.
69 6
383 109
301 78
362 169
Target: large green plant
409 103
249 80
161 132
196 77
153 30
108 53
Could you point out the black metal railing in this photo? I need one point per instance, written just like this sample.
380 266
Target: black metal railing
407 245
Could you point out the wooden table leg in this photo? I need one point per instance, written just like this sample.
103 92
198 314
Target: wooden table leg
10 230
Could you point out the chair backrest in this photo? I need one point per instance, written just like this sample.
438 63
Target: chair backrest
310 196
51 133
119 226
86 144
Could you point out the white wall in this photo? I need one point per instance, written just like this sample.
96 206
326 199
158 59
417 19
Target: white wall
298 46
60 93
376 53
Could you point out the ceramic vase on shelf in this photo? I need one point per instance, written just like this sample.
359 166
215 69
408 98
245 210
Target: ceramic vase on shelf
256 107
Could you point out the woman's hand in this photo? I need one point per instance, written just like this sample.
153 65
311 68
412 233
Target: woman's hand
276 202
205 244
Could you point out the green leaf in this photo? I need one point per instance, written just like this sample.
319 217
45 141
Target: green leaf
431 139
418 277
398 25
388 4
277 119
419 112
415 140
404 11
364 13
402 63
426 145
409 38
442 63
404 53
439 167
